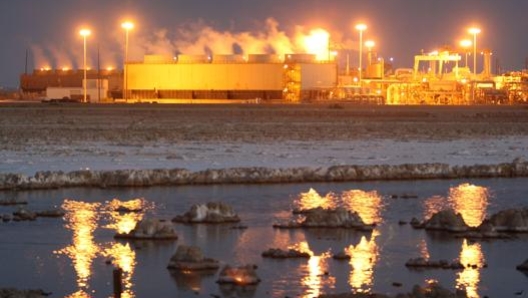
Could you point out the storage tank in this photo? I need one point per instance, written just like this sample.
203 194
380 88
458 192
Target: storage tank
264 58
158 59
233 58
193 59
299 58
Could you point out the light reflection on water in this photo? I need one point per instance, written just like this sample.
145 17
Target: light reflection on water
371 254
470 201
472 257
312 199
83 219
368 204
364 257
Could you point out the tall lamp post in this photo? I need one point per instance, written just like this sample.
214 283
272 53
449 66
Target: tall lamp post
127 26
465 44
360 28
474 31
84 33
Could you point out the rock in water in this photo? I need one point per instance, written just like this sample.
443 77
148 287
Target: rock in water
151 229
240 276
191 258
446 220
212 212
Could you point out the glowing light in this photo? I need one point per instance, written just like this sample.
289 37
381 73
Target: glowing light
127 25
65 68
466 43
85 32
474 30
361 27
125 258
470 201
110 68
312 199
364 257
367 204
81 218
317 268
472 258
370 44
433 205
123 223
317 43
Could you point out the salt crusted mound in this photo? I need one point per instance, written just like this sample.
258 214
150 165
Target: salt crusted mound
136 178
212 212
240 276
498 225
328 218
191 258
151 229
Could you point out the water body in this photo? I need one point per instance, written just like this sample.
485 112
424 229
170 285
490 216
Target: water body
74 256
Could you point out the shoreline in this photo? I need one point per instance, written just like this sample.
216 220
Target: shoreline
259 175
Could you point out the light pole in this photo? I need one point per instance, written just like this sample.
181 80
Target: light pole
127 26
84 33
360 28
465 44
474 31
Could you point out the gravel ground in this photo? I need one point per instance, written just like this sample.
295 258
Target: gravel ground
39 137
23 125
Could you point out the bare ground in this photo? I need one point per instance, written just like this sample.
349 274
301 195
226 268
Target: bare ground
23 125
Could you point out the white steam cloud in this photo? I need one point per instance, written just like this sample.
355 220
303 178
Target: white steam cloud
197 38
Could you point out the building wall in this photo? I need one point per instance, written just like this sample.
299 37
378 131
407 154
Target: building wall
318 75
205 76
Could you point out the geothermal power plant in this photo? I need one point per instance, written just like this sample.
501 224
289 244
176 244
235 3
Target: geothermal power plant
440 77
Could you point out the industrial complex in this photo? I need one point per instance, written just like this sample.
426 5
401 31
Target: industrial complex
436 78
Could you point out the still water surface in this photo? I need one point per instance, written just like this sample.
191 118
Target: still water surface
74 256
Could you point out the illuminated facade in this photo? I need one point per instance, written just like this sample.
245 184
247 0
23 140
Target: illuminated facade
230 77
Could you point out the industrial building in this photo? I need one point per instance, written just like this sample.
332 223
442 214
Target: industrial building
437 78
158 78
293 77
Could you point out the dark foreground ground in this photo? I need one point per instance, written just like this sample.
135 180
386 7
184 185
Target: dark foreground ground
21 124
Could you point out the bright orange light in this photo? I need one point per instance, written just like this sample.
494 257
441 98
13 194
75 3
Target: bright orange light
466 43
65 68
370 44
474 30
470 201
110 68
85 32
127 25
317 43
361 27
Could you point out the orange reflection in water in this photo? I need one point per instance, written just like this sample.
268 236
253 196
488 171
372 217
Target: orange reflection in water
472 257
367 204
123 223
470 201
125 258
424 251
312 199
364 257
433 205
81 218
317 277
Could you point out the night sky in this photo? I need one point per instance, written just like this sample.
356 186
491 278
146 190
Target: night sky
48 29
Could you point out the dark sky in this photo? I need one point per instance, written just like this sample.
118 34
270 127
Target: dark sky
48 29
